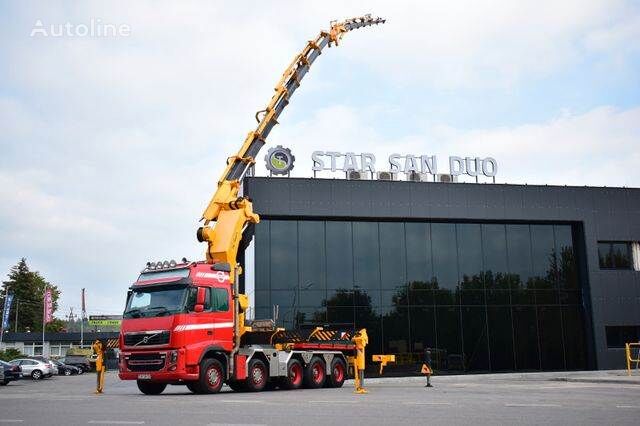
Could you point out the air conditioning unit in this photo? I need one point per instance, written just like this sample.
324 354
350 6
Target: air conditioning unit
446 178
356 175
419 177
386 176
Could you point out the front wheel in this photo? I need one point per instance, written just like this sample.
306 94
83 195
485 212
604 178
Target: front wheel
151 388
211 377
258 376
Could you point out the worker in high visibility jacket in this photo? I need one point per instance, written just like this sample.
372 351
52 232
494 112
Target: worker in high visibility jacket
426 367
98 349
361 341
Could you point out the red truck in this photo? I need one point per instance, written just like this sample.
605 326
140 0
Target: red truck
184 324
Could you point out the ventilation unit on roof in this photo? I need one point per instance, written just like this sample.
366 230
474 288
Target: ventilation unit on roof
386 176
446 178
356 175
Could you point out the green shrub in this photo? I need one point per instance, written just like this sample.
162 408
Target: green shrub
10 353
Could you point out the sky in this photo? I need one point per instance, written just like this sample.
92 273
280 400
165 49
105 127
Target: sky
111 146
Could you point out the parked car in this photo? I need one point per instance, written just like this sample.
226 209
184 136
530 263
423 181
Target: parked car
11 372
52 365
77 361
33 367
66 370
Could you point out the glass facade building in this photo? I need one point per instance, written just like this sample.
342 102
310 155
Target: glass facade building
483 296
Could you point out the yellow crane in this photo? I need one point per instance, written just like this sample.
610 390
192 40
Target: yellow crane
227 215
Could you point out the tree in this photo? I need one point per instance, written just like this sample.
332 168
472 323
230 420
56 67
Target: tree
9 354
28 289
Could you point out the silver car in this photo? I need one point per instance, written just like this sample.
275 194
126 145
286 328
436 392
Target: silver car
33 367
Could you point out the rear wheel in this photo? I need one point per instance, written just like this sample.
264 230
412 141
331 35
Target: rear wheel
67 372
211 377
151 388
315 373
338 373
36 374
258 376
294 375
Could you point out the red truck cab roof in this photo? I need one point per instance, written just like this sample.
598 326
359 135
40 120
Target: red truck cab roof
200 273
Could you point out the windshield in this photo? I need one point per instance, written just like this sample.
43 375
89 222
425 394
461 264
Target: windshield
157 301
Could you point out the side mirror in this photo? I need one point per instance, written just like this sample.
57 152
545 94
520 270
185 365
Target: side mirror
199 307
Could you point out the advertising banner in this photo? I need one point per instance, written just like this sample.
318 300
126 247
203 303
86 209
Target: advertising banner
48 306
7 309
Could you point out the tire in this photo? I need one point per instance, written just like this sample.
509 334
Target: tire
211 377
237 386
338 373
258 375
315 374
295 375
36 374
67 372
151 388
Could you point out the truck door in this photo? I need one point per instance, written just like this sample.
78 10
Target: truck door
198 328
222 316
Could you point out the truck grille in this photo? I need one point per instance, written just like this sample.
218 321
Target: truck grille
146 362
146 339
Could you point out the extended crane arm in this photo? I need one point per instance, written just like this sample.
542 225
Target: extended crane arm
233 213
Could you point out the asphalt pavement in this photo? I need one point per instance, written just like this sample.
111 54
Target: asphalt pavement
589 398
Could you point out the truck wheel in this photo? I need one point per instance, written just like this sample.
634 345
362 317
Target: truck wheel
151 388
294 375
258 375
338 374
315 373
211 377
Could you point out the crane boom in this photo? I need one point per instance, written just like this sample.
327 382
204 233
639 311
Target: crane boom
231 212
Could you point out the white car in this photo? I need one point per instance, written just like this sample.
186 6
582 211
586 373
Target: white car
33 367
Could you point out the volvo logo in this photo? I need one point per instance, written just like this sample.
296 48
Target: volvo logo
145 339
279 160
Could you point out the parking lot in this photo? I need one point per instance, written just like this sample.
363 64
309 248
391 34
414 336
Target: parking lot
480 399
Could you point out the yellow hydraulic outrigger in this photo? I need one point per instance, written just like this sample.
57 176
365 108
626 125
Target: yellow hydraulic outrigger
230 212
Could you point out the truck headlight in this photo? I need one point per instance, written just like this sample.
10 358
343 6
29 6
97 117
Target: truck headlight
173 357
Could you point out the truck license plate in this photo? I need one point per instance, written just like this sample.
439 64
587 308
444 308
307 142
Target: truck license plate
144 376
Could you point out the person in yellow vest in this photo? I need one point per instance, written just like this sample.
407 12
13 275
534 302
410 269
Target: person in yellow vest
426 367
98 349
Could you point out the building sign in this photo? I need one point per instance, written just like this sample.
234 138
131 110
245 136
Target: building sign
279 160
104 320
399 163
